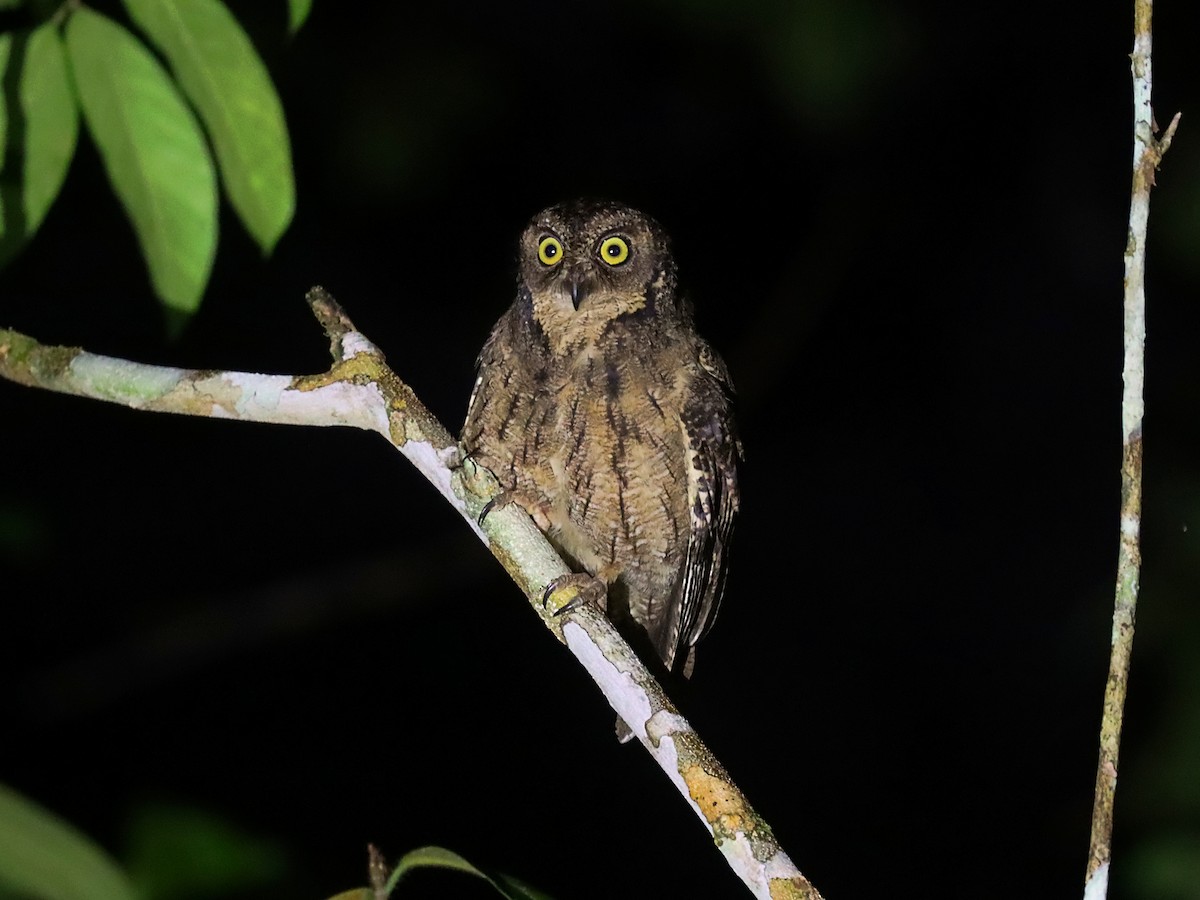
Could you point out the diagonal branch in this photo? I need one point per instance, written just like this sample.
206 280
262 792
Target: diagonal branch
360 391
1147 154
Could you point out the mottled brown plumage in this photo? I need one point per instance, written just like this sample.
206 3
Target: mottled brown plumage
602 412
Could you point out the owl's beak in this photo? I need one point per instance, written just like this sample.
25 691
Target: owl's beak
579 284
575 283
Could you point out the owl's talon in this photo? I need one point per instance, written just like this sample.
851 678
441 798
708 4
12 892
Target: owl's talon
588 589
464 455
487 508
501 500
535 508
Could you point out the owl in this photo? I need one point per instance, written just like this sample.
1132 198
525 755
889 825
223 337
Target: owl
610 420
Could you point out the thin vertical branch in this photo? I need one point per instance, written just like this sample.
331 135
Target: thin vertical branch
1147 154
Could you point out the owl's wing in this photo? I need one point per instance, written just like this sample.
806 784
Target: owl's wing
713 451
487 367
497 367
484 366
510 366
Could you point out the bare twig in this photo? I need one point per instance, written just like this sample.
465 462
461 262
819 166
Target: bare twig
360 391
1147 154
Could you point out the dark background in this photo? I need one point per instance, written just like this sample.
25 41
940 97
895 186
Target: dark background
901 223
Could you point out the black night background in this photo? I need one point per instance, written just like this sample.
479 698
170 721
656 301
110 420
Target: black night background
902 224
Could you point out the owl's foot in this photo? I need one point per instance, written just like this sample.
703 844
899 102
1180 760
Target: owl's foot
536 507
458 458
572 591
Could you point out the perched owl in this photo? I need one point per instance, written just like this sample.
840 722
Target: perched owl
606 416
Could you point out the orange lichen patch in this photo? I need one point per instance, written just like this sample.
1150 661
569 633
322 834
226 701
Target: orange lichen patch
361 369
795 887
722 806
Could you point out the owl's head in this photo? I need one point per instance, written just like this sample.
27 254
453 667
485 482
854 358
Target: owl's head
587 262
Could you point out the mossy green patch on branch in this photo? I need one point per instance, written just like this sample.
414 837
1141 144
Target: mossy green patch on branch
124 382
27 362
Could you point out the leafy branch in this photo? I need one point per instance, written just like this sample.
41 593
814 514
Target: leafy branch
153 130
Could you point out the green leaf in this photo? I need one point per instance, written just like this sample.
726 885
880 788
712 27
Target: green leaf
42 856
39 126
183 852
153 151
441 858
225 79
298 11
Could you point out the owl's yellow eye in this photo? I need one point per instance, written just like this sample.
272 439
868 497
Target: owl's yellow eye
614 250
549 251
